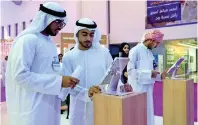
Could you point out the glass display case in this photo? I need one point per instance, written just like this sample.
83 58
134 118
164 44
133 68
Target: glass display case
171 50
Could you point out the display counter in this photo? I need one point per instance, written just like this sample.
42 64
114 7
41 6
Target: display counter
158 99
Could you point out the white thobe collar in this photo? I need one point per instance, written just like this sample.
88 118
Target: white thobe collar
142 44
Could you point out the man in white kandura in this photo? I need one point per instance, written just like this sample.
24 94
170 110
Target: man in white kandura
33 82
95 60
141 74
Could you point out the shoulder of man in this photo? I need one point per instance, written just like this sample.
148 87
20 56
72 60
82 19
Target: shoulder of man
135 48
67 55
29 37
135 52
105 50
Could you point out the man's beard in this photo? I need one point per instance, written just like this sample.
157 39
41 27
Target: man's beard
49 31
87 47
150 47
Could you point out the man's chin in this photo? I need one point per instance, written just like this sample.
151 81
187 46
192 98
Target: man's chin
89 46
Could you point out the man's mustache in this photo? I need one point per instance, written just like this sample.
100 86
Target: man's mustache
88 41
58 29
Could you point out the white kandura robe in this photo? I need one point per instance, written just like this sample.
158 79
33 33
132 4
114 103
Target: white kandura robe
139 70
95 63
33 82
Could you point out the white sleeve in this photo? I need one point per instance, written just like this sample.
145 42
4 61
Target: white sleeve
80 92
134 71
109 60
25 50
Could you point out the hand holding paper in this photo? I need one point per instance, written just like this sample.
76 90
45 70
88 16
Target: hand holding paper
72 80
77 73
69 81
93 90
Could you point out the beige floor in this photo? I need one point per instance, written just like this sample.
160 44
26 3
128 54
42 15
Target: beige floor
5 121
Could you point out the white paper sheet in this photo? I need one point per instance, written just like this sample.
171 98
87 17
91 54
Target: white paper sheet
76 74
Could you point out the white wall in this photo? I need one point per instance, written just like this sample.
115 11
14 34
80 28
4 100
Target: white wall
11 14
72 7
97 11
127 18
128 23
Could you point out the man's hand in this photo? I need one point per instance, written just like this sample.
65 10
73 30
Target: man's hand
69 81
126 74
164 74
154 74
126 88
93 90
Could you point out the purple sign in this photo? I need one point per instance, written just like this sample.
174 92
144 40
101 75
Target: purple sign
164 13
157 3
